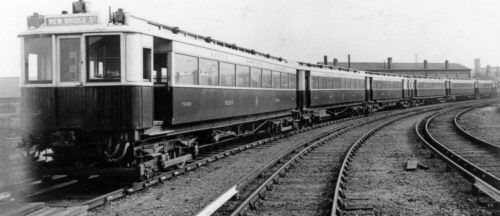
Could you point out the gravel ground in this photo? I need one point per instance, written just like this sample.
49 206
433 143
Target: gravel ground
378 178
307 188
9 153
483 123
190 192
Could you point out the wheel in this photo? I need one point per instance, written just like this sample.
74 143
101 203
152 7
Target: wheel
180 165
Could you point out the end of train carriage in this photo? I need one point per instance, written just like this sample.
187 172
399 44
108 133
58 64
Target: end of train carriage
461 89
117 95
486 88
326 92
430 90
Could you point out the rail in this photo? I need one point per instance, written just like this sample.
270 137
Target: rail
469 135
338 196
283 167
481 179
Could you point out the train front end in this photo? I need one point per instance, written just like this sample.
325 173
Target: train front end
83 105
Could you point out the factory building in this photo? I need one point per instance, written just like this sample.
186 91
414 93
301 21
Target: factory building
486 73
429 69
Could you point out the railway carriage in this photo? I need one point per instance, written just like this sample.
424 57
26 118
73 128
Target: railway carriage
461 89
486 88
334 89
212 87
385 90
430 89
409 89
83 88
134 94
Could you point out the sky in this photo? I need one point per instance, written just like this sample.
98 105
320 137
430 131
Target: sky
305 30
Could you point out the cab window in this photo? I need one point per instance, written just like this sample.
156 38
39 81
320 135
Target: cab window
103 58
38 59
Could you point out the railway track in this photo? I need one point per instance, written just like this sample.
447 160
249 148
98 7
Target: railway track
299 182
80 194
101 193
477 160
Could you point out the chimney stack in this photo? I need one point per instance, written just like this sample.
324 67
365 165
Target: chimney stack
425 64
325 60
335 62
349 60
446 64
389 61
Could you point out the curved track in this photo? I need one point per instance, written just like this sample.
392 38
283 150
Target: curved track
100 192
477 160
305 181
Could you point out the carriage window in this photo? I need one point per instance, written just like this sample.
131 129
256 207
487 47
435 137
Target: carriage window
103 58
160 68
146 64
38 59
242 76
255 77
209 72
330 83
276 79
227 74
322 82
293 81
266 79
314 82
186 70
284 80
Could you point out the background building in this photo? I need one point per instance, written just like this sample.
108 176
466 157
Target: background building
430 69
488 72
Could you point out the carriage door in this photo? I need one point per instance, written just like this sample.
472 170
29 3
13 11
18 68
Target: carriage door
410 88
308 88
368 89
405 88
414 88
69 101
447 85
69 60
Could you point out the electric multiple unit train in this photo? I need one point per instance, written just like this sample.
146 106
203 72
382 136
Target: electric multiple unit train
118 95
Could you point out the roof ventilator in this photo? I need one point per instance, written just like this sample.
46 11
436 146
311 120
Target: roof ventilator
35 21
81 6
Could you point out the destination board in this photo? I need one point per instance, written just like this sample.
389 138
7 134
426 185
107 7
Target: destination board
73 20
